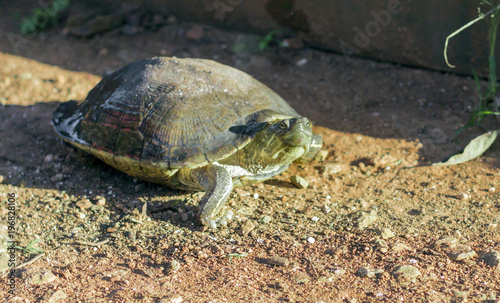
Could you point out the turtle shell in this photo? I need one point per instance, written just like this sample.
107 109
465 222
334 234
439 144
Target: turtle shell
181 112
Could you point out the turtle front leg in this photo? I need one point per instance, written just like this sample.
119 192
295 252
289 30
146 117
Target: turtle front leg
217 183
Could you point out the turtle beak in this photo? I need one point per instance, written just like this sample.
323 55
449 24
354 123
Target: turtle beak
300 132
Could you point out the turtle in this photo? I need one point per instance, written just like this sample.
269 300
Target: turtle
191 124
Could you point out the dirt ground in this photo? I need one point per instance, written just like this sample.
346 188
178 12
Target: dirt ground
376 223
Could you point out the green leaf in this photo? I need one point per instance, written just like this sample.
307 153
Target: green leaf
474 149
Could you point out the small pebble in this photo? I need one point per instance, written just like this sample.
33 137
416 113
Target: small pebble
100 200
382 245
301 62
256 196
406 274
315 219
401 247
171 19
139 187
386 233
83 203
58 296
491 190
265 219
56 178
321 155
311 240
299 181
278 261
326 209
196 32
447 241
366 219
369 272
463 196
491 258
49 158
294 42
174 265
246 228
331 169
131 235
175 299
461 253
38 276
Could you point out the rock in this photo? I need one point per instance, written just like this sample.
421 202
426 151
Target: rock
461 253
278 261
438 136
310 240
48 158
171 19
454 250
100 200
385 233
58 296
369 272
115 274
299 181
174 299
301 62
366 219
406 274
38 276
382 245
331 169
83 203
294 42
448 241
246 228
56 178
196 32
491 258
140 187
265 219
174 266
321 155
401 247
462 295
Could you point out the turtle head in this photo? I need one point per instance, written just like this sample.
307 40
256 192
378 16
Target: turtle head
297 132
285 140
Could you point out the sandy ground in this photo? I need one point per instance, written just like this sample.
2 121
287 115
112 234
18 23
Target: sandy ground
376 223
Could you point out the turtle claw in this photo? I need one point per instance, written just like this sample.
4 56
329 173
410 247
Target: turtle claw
221 221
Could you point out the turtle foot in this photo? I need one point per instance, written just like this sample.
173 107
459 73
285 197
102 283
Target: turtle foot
220 221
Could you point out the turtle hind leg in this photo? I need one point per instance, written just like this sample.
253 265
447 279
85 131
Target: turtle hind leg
217 183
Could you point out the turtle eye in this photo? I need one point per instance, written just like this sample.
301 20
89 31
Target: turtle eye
283 125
